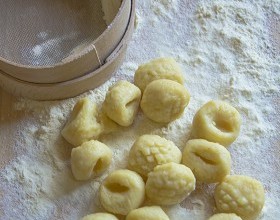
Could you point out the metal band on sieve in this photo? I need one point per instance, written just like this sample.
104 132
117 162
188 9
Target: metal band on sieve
97 55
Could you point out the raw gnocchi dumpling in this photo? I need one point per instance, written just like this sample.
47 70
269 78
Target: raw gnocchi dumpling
83 124
149 151
147 213
225 216
100 216
108 125
241 195
122 102
169 184
161 68
210 162
122 191
217 121
90 159
164 100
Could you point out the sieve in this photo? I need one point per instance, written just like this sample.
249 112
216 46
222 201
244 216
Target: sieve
59 40
73 87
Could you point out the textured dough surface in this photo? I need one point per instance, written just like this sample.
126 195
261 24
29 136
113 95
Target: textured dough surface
241 195
100 216
147 213
149 151
164 100
210 162
225 216
161 68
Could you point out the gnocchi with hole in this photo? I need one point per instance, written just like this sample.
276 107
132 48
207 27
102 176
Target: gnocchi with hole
122 102
241 195
90 159
210 162
149 151
225 216
217 121
161 68
147 213
169 184
122 191
83 124
100 216
164 100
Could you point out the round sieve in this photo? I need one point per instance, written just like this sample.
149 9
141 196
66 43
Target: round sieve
70 88
57 40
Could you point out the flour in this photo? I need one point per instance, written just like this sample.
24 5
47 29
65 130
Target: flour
226 53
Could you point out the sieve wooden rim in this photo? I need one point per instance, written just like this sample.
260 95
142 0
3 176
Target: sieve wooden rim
74 87
81 64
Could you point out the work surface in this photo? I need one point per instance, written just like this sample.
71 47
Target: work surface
228 50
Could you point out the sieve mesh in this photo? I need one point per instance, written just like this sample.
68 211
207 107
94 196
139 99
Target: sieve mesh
43 33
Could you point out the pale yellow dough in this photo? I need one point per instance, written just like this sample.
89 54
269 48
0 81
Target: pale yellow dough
147 213
161 68
122 191
90 159
100 216
225 216
210 162
217 121
82 125
164 100
241 195
169 184
122 102
149 151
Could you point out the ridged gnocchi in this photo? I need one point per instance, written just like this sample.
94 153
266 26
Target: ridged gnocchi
225 216
161 68
122 102
83 124
164 100
122 191
210 162
100 216
217 121
90 159
169 184
149 151
241 195
147 213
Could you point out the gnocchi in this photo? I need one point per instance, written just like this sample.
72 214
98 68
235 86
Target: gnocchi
217 121
210 162
83 124
108 125
225 216
161 68
100 216
164 100
169 184
241 195
147 213
122 102
90 159
122 191
149 151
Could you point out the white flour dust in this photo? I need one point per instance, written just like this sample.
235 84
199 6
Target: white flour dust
226 51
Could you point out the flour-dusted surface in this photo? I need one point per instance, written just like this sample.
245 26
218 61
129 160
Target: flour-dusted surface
229 50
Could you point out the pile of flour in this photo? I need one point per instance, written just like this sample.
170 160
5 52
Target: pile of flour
227 52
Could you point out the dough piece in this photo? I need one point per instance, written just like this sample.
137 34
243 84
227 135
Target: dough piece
147 213
90 159
169 184
108 125
100 216
122 191
161 68
241 195
164 100
210 162
217 122
122 102
149 151
225 216
82 125
110 9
